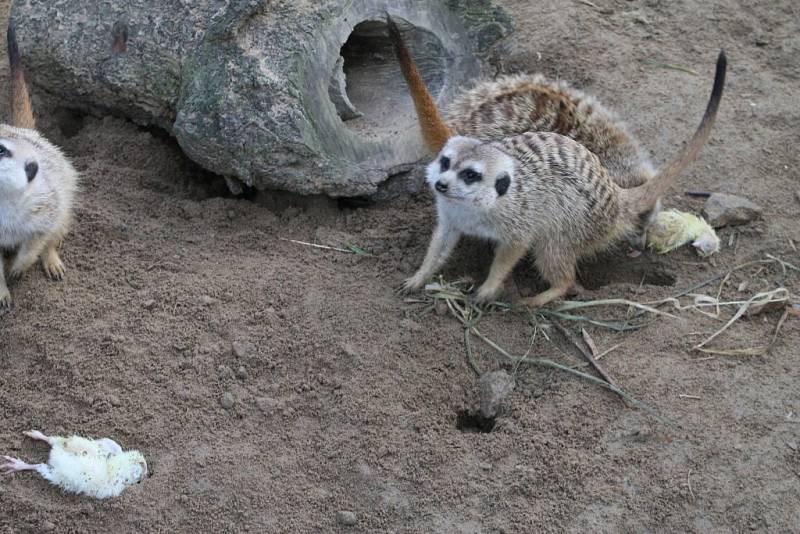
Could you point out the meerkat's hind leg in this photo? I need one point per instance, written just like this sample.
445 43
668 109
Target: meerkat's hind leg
556 291
558 267
444 240
26 255
505 258
51 262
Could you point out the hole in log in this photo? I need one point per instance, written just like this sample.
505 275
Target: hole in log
379 102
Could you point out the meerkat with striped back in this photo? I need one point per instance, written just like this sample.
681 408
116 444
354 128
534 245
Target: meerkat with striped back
543 191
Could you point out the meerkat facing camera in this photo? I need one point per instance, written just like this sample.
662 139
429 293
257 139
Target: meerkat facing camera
37 187
512 105
519 103
541 191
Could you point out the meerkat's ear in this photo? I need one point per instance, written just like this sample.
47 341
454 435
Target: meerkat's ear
502 183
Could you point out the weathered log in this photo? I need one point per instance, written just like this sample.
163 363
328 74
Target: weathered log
254 90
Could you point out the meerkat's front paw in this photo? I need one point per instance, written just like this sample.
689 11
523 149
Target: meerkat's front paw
486 294
415 283
53 267
5 298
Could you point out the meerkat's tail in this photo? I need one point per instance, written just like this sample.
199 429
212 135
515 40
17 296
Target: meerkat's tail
647 194
21 110
434 131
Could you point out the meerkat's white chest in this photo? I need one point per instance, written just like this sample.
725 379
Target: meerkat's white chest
18 224
467 220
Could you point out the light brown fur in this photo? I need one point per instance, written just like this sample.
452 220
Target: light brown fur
543 191
37 188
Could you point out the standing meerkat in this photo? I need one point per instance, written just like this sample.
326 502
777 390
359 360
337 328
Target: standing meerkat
37 187
543 191
515 104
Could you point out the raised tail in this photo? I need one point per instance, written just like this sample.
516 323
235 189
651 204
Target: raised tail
647 194
434 131
21 111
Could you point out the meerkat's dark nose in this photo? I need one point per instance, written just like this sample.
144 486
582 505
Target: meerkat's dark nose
31 168
441 186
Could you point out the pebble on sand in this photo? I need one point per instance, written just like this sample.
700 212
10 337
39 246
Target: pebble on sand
346 518
227 400
722 209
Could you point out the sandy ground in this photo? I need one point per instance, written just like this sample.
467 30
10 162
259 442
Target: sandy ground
346 398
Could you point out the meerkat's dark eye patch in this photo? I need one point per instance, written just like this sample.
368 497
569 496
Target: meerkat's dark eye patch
502 183
444 163
4 152
470 176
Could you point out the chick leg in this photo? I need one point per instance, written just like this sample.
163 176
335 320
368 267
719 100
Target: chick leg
35 434
14 465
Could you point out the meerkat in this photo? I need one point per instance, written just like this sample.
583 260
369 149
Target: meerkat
37 187
515 104
97 468
541 191
620 179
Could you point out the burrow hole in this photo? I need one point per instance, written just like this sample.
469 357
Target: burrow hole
476 423
374 83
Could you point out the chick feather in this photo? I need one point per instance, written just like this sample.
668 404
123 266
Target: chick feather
673 229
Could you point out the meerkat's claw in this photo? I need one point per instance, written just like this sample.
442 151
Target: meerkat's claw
54 268
5 299
411 284
485 295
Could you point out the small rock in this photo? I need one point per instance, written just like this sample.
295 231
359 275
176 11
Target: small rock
349 349
241 372
797 196
114 400
792 445
227 400
238 349
205 300
758 309
183 498
149 304
494 388
722 209
48 526
411 326
267 405
743 286
346 518
486 466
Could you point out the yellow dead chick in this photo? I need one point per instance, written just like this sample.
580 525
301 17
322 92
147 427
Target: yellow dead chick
673 229
94 467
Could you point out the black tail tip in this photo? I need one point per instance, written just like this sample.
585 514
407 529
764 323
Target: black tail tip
11 36
722 60
393 29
